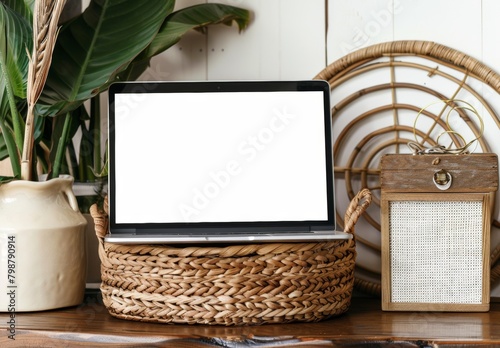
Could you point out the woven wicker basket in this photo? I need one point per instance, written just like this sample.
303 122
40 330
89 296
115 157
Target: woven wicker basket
231 285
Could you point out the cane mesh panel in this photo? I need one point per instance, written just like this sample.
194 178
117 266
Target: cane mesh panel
436 251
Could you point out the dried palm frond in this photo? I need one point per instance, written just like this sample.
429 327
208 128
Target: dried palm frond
45 30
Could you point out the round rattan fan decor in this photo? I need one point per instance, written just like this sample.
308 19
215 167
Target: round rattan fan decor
388 95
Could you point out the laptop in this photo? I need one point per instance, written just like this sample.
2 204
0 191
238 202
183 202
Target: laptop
220 162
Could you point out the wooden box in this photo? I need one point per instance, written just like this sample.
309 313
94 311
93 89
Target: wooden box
435 225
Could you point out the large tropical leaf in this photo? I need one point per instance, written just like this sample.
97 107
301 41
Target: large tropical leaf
97 45
15 40
179 23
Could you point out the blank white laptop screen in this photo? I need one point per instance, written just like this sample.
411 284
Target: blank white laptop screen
223 153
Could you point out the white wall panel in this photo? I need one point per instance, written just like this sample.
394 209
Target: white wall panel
357 24
454 23
490 29
286 40
302 38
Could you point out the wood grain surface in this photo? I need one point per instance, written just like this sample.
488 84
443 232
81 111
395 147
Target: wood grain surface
364 324
409 173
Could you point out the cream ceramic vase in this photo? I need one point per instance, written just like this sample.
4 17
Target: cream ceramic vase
42 246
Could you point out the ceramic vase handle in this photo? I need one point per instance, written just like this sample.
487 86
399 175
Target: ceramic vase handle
68 191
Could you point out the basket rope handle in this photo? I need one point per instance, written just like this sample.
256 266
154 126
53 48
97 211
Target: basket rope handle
100 217
356 208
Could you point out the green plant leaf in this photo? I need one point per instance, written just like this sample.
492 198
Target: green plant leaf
15 39
3 149
95 46
10 147
6 179
22 7
179 23
195 17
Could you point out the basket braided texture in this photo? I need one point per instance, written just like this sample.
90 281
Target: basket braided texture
229 285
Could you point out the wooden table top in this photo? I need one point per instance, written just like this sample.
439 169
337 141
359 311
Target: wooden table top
365 324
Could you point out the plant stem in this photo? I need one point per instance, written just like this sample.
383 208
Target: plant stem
27 155
61 146
96 135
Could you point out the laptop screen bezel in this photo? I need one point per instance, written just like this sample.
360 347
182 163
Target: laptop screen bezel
220 86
